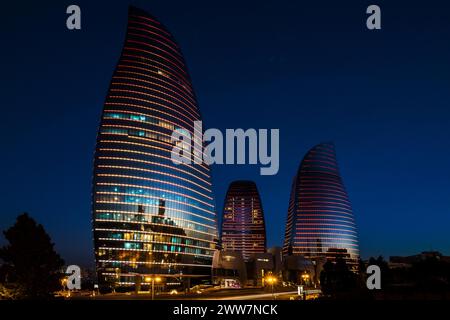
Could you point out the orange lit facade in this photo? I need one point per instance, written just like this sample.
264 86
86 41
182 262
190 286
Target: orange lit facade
320 222
243 227
150 216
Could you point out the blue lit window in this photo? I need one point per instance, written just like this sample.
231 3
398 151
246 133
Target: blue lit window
132 245
114 130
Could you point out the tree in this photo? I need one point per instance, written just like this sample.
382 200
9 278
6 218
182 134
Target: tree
431 274
328 278
31 262
337 278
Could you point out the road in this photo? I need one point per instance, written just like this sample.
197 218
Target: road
265 296
235 294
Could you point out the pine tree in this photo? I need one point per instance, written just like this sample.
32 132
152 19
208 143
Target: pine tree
32 264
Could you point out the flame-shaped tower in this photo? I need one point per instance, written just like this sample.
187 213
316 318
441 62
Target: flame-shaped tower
320 222
150 216
243 226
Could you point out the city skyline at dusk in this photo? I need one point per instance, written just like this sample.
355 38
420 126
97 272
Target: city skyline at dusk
382 98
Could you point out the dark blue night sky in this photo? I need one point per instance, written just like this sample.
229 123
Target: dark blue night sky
309 68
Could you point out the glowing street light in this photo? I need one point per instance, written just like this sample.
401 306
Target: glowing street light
271 280
305 278
64 284
153 279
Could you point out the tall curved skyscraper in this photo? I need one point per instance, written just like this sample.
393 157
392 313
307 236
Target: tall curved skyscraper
150 216
320 222
243 226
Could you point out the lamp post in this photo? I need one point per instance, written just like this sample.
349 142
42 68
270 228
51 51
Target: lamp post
64 284
271 280
305 278
153 279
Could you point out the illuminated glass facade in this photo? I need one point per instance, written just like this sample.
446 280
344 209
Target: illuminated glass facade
243 227
150 216
320 222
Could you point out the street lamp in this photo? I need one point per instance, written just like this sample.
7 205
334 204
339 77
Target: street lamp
271 280
153 280
305 277
64 284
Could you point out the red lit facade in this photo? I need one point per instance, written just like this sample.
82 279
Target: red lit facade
243 226
320 222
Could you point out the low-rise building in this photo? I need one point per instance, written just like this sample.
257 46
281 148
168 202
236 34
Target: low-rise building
229 269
